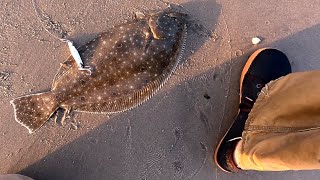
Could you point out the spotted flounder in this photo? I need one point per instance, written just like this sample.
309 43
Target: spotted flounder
129 63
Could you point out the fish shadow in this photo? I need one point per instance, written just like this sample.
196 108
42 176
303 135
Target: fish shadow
204 16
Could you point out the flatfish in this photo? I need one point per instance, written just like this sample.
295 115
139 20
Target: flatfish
129 63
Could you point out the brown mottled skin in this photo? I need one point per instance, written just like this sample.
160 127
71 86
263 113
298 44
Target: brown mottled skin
130 62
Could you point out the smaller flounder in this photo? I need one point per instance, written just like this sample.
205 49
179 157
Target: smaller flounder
129 63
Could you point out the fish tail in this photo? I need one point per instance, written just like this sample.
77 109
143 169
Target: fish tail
32 111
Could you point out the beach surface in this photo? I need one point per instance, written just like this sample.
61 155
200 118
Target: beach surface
174 134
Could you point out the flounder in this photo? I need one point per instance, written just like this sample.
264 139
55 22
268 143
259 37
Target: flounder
129 63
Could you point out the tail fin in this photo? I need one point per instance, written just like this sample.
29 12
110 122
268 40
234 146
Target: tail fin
34 110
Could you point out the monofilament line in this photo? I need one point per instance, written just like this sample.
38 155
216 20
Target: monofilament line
74 52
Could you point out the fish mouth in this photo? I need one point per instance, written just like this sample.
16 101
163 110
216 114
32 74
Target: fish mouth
163 25
154 34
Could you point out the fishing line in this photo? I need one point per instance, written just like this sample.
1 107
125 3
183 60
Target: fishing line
74 52
39 18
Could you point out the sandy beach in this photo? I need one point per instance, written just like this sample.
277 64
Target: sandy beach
171 136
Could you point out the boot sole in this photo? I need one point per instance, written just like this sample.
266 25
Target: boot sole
244 72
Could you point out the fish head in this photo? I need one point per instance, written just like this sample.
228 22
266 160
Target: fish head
167 23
